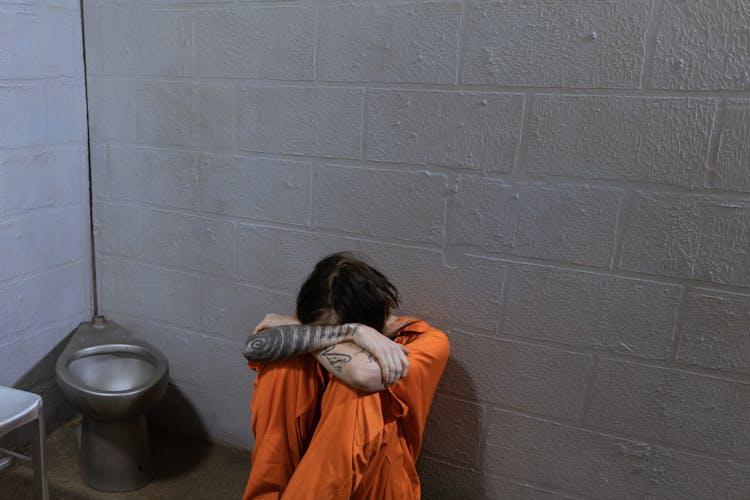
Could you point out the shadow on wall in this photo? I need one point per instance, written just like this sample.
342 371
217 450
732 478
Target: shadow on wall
449 464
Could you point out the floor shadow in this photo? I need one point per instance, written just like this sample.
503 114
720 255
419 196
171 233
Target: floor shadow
186 444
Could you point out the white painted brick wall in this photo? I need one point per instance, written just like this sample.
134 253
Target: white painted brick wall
561 186
45 257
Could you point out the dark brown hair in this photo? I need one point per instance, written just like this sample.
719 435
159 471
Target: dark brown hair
344 289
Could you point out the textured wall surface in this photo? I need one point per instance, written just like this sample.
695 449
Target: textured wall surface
45 259
564 187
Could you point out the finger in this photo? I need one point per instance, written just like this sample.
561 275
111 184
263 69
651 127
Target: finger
404 349
404 364
394 368
398 367
383 362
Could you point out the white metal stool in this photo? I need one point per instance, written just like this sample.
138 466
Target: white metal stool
18 408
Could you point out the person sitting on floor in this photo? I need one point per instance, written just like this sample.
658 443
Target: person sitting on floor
339 408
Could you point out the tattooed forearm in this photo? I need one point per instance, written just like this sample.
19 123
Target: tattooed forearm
335 359
284 342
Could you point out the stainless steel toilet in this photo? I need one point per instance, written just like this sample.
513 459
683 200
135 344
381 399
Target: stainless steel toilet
113 379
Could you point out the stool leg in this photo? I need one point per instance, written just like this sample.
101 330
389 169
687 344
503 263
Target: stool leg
40 464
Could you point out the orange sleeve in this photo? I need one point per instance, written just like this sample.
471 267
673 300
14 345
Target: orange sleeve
411 397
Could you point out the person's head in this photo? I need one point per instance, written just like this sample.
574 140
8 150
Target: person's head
344 289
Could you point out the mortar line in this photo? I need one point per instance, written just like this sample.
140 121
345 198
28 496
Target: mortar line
588 387
712 155
364 125
541 179
446 87
461 41
518 171
621 221
649 45
678 324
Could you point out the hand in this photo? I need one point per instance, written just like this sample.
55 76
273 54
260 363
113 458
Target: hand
274 320
390 355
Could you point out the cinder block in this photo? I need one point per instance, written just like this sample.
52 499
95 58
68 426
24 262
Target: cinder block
218 247
111 105
410 127
677 476
454 430
244 42
196 243
151 292
40 44
66 113
536 379
23 352
301 121
201 361
231 311
601 466
24 115
146 42
72 235
215 116
58 180
732 169
165 113
273 190
281 259
503 488
551 455
696 237
702 45
402 205
117 229
448 481
621 138
156 176
684 409
564 223
414 43
587 44
50 296
171 239
716 331
25 245
468 294
589 310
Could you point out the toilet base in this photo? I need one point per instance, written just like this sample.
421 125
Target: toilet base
115 455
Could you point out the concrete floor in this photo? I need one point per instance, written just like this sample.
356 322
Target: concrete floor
185 469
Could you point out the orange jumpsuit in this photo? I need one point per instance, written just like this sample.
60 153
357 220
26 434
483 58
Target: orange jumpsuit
318 438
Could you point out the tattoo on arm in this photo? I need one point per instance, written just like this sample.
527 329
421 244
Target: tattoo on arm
335 359
287 341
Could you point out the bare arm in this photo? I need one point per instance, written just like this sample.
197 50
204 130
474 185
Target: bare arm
279 337
282 342
354 366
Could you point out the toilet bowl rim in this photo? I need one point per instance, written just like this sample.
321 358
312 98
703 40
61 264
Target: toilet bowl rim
63 376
